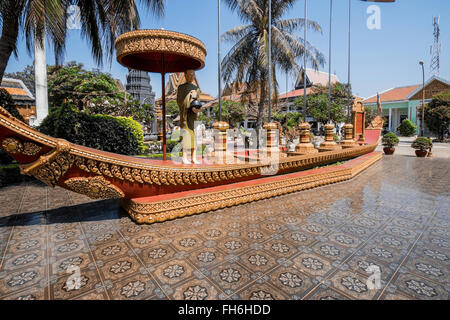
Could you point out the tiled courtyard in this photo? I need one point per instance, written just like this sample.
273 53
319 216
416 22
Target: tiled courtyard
317 244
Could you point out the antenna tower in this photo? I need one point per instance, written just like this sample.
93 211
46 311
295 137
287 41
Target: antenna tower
435 49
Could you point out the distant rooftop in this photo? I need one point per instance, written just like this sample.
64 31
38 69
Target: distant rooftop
394 94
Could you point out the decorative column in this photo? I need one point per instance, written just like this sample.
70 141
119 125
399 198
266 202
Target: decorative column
305 146
348 141
272 139
220 141
390 119
329 143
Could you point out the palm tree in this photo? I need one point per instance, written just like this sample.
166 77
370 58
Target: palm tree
101 22
247 60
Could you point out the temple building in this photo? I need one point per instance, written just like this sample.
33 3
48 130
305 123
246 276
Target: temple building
401 103
139 87
22 97
286 101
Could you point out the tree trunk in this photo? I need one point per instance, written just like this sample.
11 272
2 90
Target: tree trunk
40 76
10 32
261 107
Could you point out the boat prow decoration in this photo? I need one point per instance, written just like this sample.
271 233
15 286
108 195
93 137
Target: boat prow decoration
153 190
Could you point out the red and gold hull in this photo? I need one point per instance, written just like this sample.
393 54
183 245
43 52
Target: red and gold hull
149 188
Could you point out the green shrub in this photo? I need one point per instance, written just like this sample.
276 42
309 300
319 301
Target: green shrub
422 144
113 134
390 140
407 128
7 103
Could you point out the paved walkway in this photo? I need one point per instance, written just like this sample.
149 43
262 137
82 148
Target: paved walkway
317 244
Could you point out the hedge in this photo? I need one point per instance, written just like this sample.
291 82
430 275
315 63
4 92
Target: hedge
407 128
113 134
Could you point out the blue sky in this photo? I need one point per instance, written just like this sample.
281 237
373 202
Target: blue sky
381 59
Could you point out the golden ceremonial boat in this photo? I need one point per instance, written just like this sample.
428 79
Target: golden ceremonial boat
155 191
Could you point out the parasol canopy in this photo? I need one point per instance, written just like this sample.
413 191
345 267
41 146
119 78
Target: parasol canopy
160 51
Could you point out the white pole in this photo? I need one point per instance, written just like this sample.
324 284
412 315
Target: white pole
40 75
270 62
304 64
219 59
329 64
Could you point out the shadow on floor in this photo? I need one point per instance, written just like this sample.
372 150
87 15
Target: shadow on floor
93 211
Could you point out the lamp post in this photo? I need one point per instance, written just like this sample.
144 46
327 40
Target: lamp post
305 100
423 99
270 62
349 59
329 64
219 59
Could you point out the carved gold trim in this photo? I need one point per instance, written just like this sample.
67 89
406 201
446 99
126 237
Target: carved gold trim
176 208
194 176
31 149
49 168
95 188
12 146
143 41
111 166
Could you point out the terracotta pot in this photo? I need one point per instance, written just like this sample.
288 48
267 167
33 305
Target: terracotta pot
421 154
388 150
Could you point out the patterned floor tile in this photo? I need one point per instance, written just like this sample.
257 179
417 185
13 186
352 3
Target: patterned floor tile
197 290
64 265
312 264
187 243
290 281
258 260
278 248
157 255
73 285
420 288
172 272
24 260
135 287
352 284
120 267
230 277
258 291
317 244
206 257
109 251
326 294
233 245
29 294
32 277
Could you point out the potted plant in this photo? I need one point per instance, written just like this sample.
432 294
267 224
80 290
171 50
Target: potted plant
422 145
389 141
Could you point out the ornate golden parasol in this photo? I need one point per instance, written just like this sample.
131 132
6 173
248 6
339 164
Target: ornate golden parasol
160 51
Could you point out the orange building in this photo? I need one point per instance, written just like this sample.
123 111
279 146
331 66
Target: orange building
22 97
